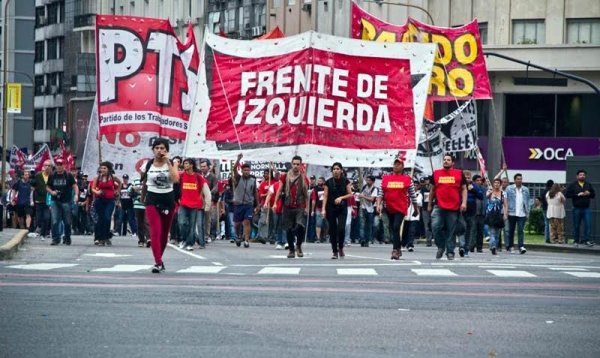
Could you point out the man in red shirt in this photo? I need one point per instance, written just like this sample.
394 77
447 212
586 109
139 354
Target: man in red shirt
449 191
192 204
294 188
396 189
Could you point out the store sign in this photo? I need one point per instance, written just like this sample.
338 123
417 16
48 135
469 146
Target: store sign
545 153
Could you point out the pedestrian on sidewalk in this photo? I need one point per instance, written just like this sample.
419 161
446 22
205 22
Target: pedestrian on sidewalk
556 214
581 193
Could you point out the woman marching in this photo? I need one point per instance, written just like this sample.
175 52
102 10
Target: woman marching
496 213
335 207
158 179
105 188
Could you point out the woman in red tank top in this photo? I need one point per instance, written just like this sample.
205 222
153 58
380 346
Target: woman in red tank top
105 186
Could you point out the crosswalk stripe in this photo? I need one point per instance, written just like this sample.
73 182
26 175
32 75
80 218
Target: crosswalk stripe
567 269
203 269
357 272
433 272
511 273
123 268
44 267
280 270
584 274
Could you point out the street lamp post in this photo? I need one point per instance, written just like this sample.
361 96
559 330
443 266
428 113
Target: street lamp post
4 88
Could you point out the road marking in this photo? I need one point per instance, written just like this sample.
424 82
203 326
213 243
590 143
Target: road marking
497 267
217 263
280 271
433 272
584 274
369 257
107 254
277 256
123 268
44 267
203 269
511 273
175 247
566 269
357 272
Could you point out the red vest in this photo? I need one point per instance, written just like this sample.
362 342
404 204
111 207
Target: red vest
395 192
448 184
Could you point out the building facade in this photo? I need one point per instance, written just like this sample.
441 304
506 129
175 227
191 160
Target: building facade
20 57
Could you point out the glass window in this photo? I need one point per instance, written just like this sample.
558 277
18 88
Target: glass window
52 49
483 31
40 16
241 19
51 118
231 20
576 115
53 13
583 31
529 115
39 85
39 51
529 32
38 119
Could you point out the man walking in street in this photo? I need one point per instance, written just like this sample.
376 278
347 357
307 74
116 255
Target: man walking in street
245 201
517 196
581 192
449 192
63 189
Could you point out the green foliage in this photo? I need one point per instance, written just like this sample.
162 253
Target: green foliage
535 223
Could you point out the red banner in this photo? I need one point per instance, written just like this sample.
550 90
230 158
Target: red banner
312 96
459 71
144 76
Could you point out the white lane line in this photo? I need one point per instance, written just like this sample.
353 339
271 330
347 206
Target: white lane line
217 263
357 272
280 271
433 272
369 257
123 268
44 267
566 269
511 273
584 274
277 256
175 247
497 267
203 269
106 254
338 263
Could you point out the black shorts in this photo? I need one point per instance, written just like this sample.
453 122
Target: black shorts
23 210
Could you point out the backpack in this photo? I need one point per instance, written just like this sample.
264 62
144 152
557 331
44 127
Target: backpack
494 215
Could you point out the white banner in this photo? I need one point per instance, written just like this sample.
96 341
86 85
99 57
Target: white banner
460 135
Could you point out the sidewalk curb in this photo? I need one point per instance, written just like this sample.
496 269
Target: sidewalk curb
8 250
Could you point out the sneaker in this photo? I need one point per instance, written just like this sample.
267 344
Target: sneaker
589 244
54 243
67 242
141 244
148 243
411 249
181 245
133 236
238 243
158 268
396 254
173 242
189 248
493 250
246 244
232 241
439 253
291 254
461 252
450 256
208 240
522 250
32 235
96 242
202 246
486 239
334 256
299 252
286 246
279 247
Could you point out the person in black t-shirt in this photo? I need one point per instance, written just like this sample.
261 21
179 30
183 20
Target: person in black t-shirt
64 192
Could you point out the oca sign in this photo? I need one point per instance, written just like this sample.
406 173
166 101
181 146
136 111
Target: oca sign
550 153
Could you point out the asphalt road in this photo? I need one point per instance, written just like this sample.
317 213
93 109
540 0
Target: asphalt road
224 301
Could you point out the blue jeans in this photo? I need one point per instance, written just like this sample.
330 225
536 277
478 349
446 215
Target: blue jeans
519 222
104 210
232 233
494 236
127 216
187 219
61 214
443 223
580 214
366 226
279 233
546 228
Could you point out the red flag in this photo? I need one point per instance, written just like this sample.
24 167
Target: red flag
66 156
428 115
36 161
17 157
